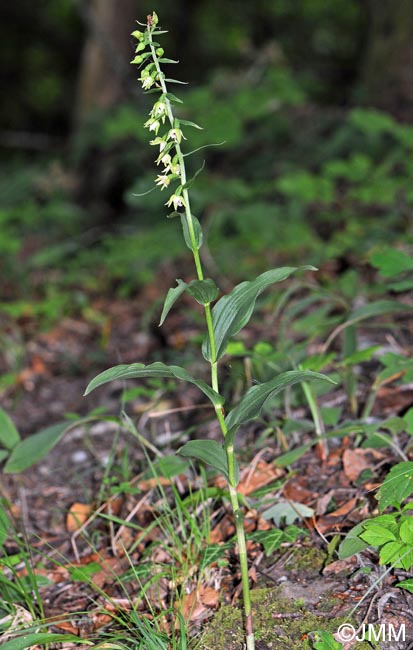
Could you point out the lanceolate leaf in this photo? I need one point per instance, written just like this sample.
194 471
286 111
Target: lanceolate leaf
204 292
210 452
157 369
233 311
9 436
254 399
171 297
197 230
41 638
29 451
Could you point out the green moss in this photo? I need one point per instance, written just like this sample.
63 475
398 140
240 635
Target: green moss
282 623
306 559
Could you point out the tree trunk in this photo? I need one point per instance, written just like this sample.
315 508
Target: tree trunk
105 73
387 74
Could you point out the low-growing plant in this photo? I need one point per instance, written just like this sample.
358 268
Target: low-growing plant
391 533
228 316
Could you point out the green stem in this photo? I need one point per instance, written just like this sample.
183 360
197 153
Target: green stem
238 516
242 550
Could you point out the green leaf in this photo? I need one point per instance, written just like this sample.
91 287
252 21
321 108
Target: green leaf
326 641
191 180
210 452
169 466
233 311
212 553
204 291
397 486
352 543
406 531
173 98
9 436
288 510
254 399
291 456
5 525
188 123
391 552
30 640
376 535
29 451
391 262
406 584
171 297
197 231
157 369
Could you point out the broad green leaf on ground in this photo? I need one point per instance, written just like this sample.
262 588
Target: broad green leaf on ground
9 436
391 261
29 451
326 641
210 452
289 511
233 311
376 535
406 584
273 538
41 638
254 399
397 486
352 543
212 553
157 369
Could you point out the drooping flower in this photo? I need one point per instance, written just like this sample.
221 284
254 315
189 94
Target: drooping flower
175 134
163 180
159 141
165 159
177 201
152 125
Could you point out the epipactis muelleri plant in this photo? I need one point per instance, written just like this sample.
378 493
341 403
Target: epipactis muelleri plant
229 314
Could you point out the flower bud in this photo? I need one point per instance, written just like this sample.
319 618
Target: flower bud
137 34
160 51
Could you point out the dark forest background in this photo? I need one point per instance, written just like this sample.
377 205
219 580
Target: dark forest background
313 98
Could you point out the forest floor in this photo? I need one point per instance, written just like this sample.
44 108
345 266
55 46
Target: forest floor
59 505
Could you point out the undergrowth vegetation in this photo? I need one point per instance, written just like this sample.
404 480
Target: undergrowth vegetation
275 180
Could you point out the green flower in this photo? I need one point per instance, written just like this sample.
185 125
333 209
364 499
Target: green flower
177 201
163 180
175 134
162 143
152 125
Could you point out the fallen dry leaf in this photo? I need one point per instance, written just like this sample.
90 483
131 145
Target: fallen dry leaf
77 515
354 463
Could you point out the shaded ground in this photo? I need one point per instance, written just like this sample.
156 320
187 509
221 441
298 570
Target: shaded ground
308 588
